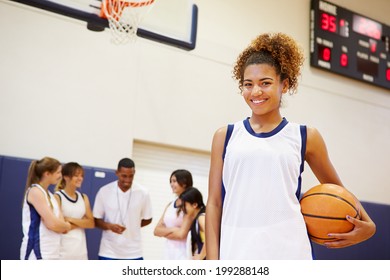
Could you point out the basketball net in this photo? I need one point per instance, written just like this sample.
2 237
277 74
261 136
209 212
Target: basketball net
124 17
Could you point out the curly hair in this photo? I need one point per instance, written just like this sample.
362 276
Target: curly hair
277 50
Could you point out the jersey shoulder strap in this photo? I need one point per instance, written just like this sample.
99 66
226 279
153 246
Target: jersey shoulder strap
229 132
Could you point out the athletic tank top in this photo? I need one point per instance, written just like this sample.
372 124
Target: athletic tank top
39 242
197 236
73 243
261 217
174 249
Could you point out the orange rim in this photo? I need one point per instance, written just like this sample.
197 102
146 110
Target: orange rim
117 8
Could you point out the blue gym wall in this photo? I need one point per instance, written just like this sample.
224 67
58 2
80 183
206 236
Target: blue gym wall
13 173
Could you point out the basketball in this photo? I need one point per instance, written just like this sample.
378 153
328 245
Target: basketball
324 208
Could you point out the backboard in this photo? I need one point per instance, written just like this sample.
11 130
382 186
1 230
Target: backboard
172 22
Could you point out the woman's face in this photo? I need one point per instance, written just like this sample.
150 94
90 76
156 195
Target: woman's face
176 187
262 88
190 207
76 180
55 177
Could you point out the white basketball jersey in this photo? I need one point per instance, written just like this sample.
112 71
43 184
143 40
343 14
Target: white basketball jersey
175 249
39 242
73 243
261 217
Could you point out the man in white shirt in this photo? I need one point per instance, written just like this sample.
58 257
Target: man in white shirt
121 208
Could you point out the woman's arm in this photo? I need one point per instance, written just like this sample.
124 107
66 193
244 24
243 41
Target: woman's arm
87 221
161 230
181 232
175 233
38 200
319 162
214 202
61 215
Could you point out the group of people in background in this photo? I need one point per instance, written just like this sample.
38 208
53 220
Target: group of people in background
253 209
54 224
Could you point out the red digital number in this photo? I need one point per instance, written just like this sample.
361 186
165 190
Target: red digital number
326 54
344 60
328 23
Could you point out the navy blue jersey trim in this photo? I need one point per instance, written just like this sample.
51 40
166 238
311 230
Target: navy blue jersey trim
303 152
68 197
229 132
33 243
280 126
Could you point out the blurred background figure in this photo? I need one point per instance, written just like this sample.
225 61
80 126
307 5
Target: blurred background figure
77 211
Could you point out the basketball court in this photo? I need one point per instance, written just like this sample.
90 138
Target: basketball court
174 24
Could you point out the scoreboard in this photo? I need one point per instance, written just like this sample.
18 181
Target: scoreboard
349 44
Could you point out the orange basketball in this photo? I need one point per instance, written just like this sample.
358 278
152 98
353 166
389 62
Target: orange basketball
324 208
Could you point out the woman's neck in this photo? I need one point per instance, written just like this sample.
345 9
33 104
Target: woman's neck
44 184
265 123
197 210
70 191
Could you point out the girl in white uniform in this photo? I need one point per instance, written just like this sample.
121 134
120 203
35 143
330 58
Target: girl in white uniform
42 220
76 210
174 225
253 209
192 204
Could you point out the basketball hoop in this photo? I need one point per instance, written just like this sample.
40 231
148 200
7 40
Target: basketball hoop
123 17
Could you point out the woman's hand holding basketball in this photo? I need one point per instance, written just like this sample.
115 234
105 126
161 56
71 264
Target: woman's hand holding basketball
362 231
